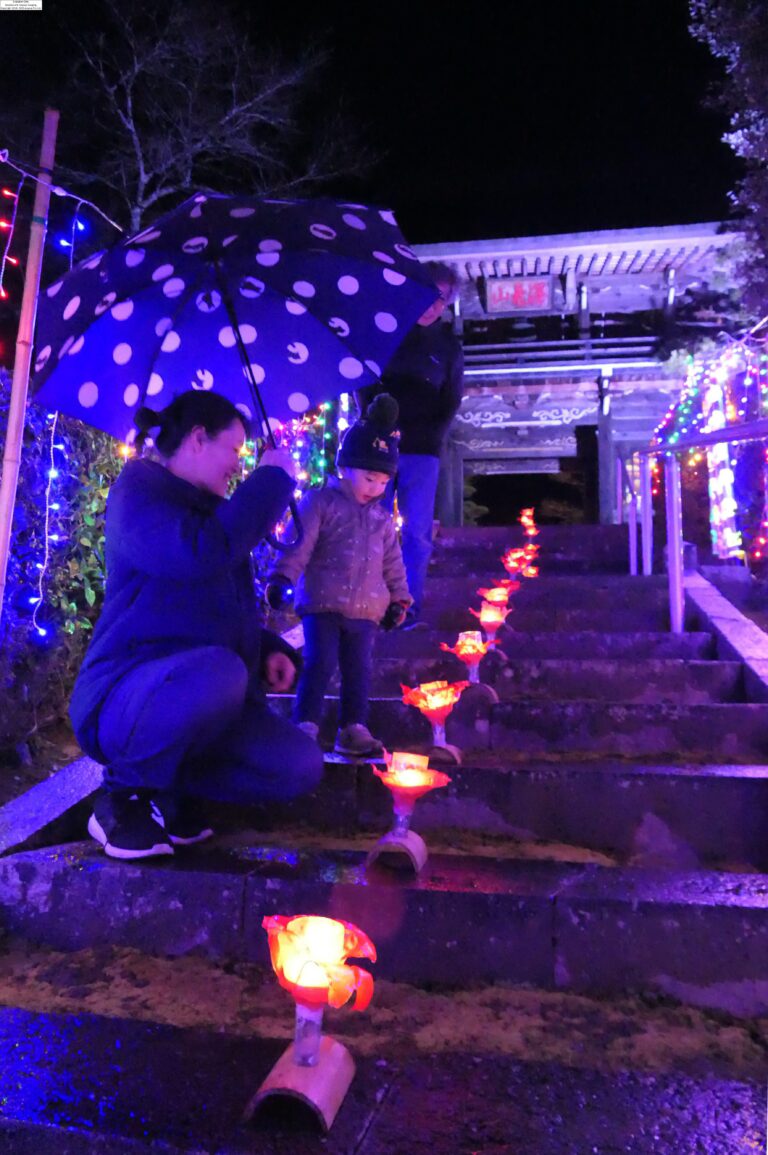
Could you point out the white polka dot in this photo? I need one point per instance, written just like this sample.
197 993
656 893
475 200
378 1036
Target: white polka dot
66 347
197 211
393 277
257 371
93 262
171 342
267 259
243 211
304 288
162 326
270 246
324 232
77 346
132 433
245 411
385 258
248 334
208 301
298 402
122 311
195 244
122 353
339 325
405 251
229 240
270 425
298 353
353 221
387 216
105 303
42 358
131 395
52 290
147 235
161 272
174 287
203 379
350 368
385 322
71 308
295 307
88 394
227 337
374 368
155 385
348 286
251 287
351 205
134 257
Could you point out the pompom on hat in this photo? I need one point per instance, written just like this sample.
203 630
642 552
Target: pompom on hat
373 442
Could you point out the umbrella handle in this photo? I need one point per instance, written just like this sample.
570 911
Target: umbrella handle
279 544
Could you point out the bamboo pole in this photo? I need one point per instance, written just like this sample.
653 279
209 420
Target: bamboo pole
20 384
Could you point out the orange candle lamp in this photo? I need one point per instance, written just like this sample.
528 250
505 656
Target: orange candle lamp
435 700
309 956
497 595
526 519
492 617
470 648
408 777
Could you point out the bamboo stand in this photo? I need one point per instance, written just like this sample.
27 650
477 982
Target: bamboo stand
321 1087
20 383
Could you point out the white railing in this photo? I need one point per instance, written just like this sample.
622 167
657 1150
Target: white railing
749 431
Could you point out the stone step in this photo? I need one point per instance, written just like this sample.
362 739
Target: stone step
462 921
713 732
625 644
540 618
84 1084
565 590
515 730
604 679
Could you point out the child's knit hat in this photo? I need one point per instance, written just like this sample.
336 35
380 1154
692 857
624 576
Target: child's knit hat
373 442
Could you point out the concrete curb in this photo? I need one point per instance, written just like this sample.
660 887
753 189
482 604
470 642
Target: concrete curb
737 637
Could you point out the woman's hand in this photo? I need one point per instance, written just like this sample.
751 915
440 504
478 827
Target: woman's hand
280 458
279 672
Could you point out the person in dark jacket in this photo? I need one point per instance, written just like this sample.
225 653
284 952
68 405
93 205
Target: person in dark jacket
169 695
425 377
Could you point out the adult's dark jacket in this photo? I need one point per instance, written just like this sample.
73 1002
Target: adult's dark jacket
178 577
425 377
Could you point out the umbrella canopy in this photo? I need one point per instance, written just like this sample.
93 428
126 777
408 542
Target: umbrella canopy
301 299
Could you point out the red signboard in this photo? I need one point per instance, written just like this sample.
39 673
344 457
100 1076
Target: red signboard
518 294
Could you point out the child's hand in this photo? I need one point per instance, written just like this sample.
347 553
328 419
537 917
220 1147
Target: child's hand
394 617
279 592
279 672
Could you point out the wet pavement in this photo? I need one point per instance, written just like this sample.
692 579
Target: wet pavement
77 1084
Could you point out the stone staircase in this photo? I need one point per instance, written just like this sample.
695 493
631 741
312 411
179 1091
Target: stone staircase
604 838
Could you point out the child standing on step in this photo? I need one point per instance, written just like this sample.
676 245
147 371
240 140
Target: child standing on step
352 578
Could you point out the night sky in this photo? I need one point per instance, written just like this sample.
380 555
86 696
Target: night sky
497 119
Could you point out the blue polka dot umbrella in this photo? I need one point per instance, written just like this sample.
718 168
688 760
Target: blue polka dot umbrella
277 304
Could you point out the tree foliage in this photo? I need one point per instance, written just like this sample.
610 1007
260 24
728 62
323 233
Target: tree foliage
736 32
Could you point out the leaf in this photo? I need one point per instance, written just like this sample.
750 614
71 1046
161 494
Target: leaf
90 596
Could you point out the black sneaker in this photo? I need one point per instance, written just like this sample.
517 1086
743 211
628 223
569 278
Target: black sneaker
184 820
128 825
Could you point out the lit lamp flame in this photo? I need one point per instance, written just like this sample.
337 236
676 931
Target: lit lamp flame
470 648
498 595
408 776
309 956
491 617
435 700
528 523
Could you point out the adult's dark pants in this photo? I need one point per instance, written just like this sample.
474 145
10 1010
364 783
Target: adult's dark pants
190 724
416 487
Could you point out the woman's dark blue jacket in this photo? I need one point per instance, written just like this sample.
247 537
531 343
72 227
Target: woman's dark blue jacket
178 577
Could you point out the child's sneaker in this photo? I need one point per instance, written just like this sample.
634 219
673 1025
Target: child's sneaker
311 729
128 825
358 742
